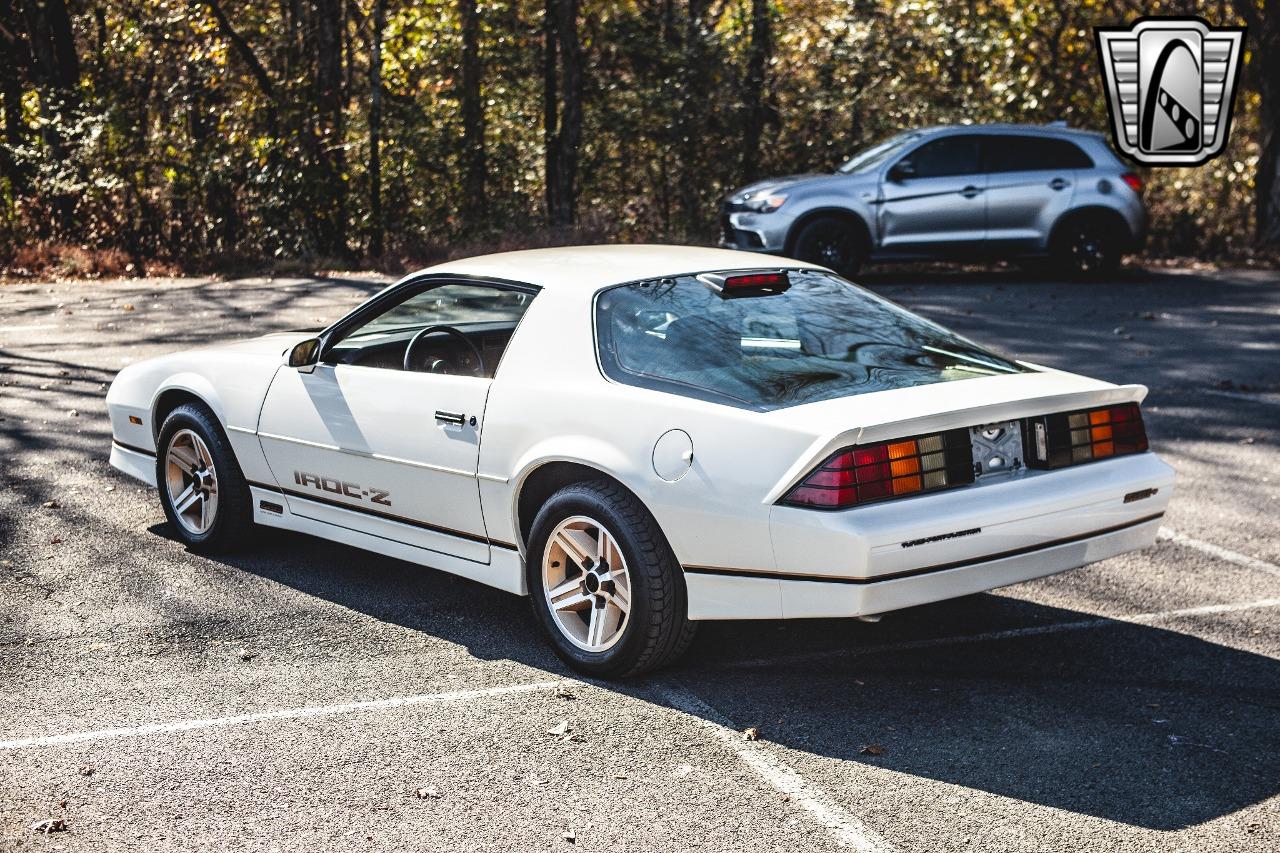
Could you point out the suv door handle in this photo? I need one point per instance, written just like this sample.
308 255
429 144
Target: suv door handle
1058 184
970 191
451 417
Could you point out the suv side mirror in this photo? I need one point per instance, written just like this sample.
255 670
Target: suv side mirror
902 170
305 355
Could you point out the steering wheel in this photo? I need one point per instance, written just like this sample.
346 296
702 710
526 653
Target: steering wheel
478 370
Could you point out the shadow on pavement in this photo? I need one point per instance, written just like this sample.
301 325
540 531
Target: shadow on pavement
1129 723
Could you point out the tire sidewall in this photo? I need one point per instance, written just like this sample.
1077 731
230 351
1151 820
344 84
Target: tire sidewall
582 500
811 233
230 481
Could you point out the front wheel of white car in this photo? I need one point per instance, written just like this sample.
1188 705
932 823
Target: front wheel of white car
202 489
606 588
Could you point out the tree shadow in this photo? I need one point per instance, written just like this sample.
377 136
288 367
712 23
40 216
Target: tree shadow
1131 723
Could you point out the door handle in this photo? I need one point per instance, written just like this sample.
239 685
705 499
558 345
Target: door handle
970 191
1058 184
451 417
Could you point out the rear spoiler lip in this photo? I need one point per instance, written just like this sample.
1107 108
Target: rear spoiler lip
972 416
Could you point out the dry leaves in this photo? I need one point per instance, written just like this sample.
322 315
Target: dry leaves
871 749
53 824
563 693
560 729
51 505
429 792
246 654
751 733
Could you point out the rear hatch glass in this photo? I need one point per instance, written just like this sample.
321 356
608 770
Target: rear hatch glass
822 338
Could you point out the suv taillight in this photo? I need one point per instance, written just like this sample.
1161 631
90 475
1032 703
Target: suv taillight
1070 438
1132 181
889 469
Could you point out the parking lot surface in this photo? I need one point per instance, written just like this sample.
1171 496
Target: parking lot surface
306 696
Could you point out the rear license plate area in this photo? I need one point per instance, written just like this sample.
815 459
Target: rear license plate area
997 450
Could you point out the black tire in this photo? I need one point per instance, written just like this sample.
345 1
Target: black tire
1086 247
232 523
658 630
833 243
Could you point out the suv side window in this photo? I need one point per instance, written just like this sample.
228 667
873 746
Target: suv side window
1032 154
950 155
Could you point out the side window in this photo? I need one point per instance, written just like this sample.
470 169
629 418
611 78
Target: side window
1033 154
951 155
477 319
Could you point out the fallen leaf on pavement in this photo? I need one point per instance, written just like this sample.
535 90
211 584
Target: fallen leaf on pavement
871 749
569 836
245 654
560 729
751 733
430 792
51 505
53 824
563 693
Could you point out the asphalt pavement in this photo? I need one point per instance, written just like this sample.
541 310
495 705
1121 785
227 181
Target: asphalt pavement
306 696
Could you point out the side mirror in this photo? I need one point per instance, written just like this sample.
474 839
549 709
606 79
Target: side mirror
305 355
902 170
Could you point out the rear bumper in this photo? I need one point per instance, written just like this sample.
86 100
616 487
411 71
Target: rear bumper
903 553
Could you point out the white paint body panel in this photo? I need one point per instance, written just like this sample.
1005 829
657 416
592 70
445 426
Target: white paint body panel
365 428
549 402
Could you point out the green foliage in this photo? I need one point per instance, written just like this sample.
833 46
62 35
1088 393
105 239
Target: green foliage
170 147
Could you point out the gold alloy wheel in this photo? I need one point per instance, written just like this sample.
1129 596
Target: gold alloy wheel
191 482
586 583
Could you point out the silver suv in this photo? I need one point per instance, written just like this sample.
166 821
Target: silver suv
961 192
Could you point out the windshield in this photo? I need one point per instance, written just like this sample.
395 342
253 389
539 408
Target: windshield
869 158
822 338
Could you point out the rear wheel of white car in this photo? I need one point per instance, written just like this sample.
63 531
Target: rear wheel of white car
605 586
202 489
832 243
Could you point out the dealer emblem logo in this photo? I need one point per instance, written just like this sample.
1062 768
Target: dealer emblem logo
1170 85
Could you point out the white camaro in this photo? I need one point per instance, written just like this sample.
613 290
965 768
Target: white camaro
640 437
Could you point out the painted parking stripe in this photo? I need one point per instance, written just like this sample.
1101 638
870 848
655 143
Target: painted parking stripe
1009 634
281 714
843 825
1218 551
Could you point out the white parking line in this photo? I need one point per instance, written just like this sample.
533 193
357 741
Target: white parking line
1009 634
1220 552
282 714
842 824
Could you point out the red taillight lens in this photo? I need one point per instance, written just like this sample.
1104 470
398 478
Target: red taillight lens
1055 441
1132 181
874 472
740 284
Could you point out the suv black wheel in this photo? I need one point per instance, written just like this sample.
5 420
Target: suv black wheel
833 243
202 489
604 584
1086 247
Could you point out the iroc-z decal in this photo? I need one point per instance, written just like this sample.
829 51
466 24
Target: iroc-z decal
341 487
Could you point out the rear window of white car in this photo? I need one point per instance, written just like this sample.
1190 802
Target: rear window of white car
823 337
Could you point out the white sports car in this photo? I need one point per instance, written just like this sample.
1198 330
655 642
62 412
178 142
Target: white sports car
641 437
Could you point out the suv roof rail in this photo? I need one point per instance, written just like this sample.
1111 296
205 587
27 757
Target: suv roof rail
1058 123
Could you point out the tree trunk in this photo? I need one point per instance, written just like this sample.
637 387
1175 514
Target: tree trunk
753 88
550 109
475 167
692 121
1267 54
330 127
570 132
376 229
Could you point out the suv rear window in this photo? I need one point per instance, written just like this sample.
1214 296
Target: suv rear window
1032 154
822 338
